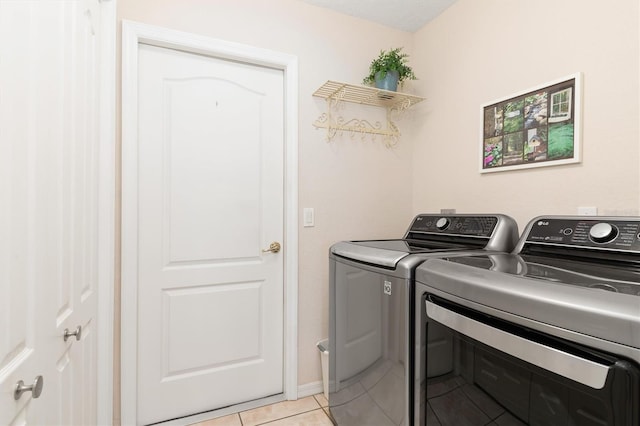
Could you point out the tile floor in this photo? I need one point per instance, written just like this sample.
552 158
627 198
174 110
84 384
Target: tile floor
309 411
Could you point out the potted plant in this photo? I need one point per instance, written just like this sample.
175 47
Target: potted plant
389 69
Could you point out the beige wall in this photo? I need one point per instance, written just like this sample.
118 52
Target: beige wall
359 189
480 51
474 53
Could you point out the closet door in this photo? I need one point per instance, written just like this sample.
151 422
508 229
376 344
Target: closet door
48 210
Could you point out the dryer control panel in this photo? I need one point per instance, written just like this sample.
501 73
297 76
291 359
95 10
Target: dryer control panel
611 233
463 225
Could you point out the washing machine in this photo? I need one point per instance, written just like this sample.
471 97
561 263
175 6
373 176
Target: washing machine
371 311
547 335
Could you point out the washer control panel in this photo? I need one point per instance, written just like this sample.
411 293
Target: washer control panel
593 232
480 226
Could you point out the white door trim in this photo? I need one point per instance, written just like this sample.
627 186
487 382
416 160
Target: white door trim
134 34
106 218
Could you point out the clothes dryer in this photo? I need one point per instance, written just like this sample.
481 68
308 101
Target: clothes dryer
548 335
371 311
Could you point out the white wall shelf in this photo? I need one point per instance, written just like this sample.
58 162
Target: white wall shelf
335 93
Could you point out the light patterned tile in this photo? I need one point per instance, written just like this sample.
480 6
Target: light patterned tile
230 420
311 418
278 411
321 400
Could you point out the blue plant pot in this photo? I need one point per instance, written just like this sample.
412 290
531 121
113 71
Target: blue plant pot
387 80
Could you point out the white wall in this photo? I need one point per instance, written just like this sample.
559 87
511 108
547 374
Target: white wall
480 51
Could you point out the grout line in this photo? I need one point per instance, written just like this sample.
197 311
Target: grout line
319 403
294 415
318 407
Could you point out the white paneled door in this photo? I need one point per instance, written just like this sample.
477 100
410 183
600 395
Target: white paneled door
210 202
49 137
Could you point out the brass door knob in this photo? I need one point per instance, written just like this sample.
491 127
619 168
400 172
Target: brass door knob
274 247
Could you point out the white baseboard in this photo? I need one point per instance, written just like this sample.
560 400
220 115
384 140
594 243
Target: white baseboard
308 389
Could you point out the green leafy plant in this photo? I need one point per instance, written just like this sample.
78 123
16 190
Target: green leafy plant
393 60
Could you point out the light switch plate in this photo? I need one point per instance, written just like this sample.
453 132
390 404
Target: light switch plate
308 217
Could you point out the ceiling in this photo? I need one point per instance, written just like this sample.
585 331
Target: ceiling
406 15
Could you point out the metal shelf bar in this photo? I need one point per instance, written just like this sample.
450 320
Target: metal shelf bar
365 95
335 92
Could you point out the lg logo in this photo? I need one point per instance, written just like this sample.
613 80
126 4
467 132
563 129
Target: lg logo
542 223
387 288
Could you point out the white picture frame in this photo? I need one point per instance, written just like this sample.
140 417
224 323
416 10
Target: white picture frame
537 127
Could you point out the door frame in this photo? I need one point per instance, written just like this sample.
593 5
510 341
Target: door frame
134 34
106 213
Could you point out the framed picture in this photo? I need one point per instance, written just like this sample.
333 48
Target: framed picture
535 128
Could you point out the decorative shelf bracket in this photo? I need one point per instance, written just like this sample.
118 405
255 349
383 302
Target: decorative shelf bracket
336 93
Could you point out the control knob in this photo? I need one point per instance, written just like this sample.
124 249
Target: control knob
442 223
602 232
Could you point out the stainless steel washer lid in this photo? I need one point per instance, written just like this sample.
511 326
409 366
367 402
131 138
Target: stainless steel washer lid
433 233
385 257
605 315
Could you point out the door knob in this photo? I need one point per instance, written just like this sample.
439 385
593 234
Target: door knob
35 388
77 333
274 247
